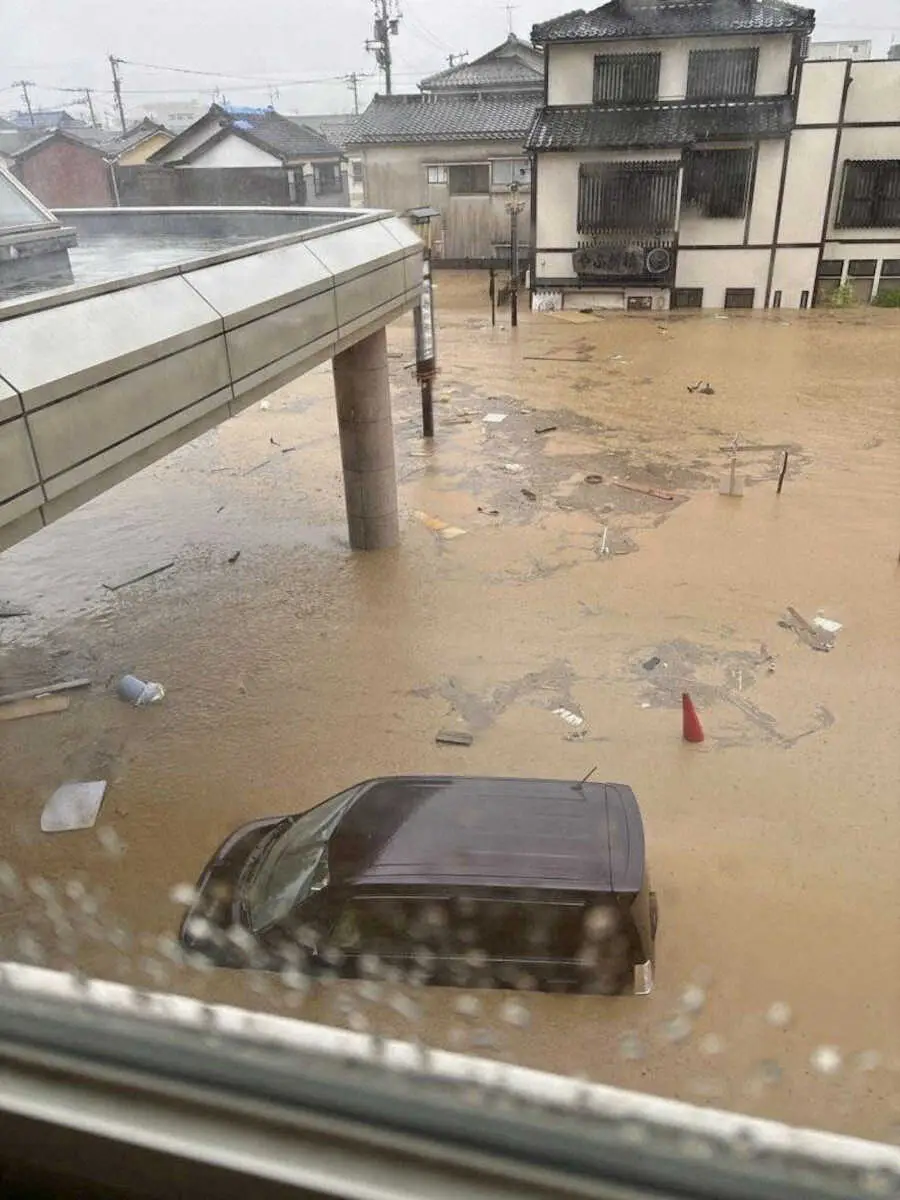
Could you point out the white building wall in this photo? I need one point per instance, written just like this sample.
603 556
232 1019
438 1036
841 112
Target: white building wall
794 273
193 140
234 151
806 185
717 270
817 153
874 93
821 91
571 67
769 164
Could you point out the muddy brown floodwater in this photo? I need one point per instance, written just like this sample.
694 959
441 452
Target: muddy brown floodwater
301 668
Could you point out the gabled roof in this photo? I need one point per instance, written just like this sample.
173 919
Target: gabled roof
675 18
680 123
46 118
513 64
399 120
334 127
57 135
262 127
115 143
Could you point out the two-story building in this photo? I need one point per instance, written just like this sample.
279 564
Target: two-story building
690 155
661 148
456 147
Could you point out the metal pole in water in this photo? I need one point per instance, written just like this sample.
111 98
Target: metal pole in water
426 352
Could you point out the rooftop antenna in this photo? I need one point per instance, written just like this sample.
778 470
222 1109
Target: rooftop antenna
510 9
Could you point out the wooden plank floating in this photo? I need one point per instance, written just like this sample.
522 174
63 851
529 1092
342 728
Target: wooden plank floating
50 689
38 707
644 491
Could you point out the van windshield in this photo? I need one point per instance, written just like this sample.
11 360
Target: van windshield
294 865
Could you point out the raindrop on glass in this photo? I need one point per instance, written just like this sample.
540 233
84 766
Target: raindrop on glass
183 893
693 998
513 1012
826 1060
110 841
9 882
631 1047
779 1014
677 1029
468 1006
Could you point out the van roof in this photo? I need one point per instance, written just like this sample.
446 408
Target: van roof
481 832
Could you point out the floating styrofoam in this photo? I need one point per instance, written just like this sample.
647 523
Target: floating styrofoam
73 806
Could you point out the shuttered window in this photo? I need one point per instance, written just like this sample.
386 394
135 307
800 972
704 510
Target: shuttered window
717 182
637 196
870 197
722 74
626 78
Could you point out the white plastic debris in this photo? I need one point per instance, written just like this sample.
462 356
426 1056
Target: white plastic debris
513 468
827 625
264 406
73 806
569 717
494 418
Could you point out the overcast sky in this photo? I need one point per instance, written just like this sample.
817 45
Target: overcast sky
65 43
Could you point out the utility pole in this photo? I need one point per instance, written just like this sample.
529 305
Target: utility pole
353 84
514 206
25 84
115 63
387 25
89 101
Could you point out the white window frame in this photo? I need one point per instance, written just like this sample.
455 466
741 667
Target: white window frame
437 175
524 181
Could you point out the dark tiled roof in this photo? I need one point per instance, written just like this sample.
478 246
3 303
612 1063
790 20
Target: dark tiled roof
439 118
513 64
286 139
674 18
114 142
46 118
334 127
677 124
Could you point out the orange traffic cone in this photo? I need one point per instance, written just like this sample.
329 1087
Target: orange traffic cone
692 729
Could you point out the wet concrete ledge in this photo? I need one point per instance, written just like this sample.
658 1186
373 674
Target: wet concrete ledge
97 382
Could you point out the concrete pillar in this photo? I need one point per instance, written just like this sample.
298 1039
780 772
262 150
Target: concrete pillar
362 391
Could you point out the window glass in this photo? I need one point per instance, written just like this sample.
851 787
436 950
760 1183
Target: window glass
328 178
469 179
510 170
437 175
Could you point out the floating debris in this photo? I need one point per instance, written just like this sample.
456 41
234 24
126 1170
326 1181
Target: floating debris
569 717
494 418
73 806
454 737
116 587
40 706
